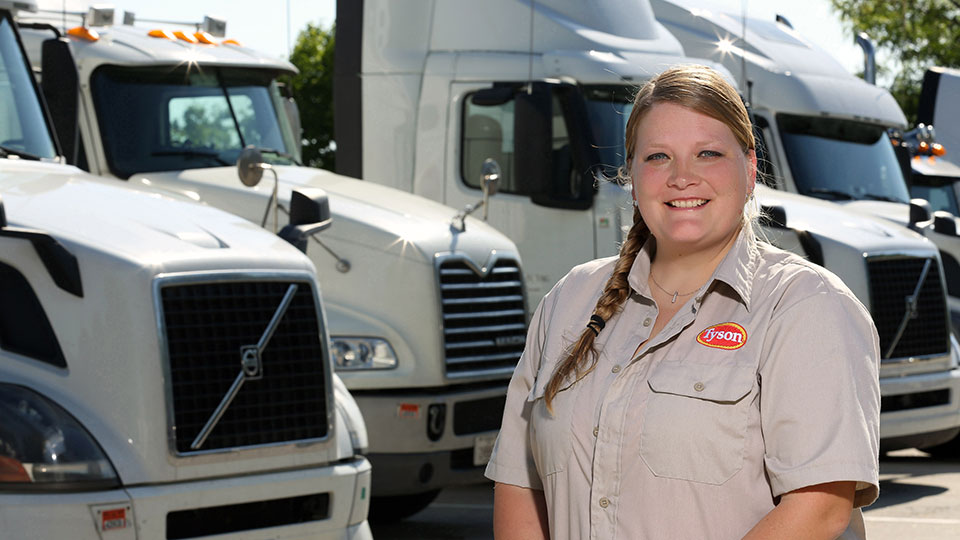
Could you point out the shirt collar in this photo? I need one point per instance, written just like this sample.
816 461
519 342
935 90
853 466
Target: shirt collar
736 269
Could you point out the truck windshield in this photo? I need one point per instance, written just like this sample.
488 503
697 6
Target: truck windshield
608 108
841 159
163 118
24 131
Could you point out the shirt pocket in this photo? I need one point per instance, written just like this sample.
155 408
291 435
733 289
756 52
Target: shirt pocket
550 434
694 426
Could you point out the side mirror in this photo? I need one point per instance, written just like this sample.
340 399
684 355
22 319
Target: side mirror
944 223
489 182
920 211
250 166
774 217
309 214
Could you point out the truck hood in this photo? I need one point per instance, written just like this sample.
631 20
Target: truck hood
859 229
364 213
141 227
898 213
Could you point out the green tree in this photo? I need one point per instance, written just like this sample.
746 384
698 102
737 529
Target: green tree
915 34
313 90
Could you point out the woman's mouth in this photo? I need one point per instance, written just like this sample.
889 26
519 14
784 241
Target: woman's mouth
687 203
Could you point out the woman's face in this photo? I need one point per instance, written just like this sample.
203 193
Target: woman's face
690 178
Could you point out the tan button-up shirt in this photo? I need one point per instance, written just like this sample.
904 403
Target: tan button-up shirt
765 381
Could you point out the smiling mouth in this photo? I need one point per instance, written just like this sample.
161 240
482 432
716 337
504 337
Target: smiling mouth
687 203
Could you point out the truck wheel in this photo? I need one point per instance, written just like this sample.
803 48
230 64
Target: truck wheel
395 508
947 450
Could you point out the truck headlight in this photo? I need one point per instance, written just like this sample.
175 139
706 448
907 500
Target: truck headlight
354 353
43 447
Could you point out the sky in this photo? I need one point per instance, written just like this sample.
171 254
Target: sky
272 26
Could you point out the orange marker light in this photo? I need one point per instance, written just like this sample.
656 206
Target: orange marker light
923 147
231 42
183 36
205 37
81 32
937 149
165 34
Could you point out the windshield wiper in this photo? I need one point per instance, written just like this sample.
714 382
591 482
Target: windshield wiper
836 194
6 151
192 154
873 197
283 155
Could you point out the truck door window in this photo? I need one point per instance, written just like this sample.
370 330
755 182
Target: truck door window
939 192
23 127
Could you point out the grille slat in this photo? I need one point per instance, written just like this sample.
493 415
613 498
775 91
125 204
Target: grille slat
892 280
484 317
206 324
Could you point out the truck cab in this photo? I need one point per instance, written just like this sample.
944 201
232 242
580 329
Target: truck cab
545 88
426 311
165 368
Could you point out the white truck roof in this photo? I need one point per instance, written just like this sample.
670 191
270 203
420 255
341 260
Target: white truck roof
788 72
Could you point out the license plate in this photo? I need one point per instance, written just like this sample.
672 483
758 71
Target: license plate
482 448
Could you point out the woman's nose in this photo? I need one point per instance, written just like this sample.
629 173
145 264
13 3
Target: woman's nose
681 176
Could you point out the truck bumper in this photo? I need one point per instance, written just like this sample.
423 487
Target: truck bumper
919 410
327 503
421 441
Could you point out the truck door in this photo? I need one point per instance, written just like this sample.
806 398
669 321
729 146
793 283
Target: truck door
546 191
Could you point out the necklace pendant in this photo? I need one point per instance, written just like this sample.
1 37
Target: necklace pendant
674 301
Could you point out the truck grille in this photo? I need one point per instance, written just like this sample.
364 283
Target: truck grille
205 327
484 319
892 280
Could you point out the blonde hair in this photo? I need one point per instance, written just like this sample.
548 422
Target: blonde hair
700 89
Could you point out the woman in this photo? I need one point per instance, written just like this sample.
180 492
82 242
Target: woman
702 384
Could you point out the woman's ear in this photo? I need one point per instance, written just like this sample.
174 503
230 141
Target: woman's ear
751 169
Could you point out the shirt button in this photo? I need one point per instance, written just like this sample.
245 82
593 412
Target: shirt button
699 387
616 369
604 502
647 321
699 299
596 431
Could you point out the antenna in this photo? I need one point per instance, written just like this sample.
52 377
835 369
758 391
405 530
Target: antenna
530 53
743 43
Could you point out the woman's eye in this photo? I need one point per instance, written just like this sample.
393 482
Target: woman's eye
710 153
656 156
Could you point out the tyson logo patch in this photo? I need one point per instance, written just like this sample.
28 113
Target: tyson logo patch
726 335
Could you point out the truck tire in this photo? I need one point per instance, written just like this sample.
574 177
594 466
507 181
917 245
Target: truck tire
394 508
947 450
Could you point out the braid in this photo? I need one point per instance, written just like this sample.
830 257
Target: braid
615 293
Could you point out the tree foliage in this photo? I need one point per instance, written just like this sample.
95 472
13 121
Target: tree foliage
313 90
915 34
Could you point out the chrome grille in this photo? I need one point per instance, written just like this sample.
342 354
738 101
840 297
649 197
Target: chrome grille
892 281
205 326
484 319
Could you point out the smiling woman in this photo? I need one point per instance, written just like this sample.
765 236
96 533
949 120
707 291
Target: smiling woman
662 393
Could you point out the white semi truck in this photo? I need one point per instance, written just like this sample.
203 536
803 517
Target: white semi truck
165 368
426 91
426 308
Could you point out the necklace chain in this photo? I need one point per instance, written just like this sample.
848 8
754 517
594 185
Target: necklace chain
674 294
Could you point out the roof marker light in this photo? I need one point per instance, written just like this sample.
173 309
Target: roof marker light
83 32
205 38
231 42
165 34
183 36
937 149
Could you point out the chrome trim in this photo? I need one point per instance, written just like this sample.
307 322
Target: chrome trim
483 271
228 276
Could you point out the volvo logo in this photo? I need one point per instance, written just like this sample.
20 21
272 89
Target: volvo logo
436 420
910 312
250 362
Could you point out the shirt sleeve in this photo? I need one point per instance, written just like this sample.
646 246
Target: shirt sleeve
512 459
820 395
